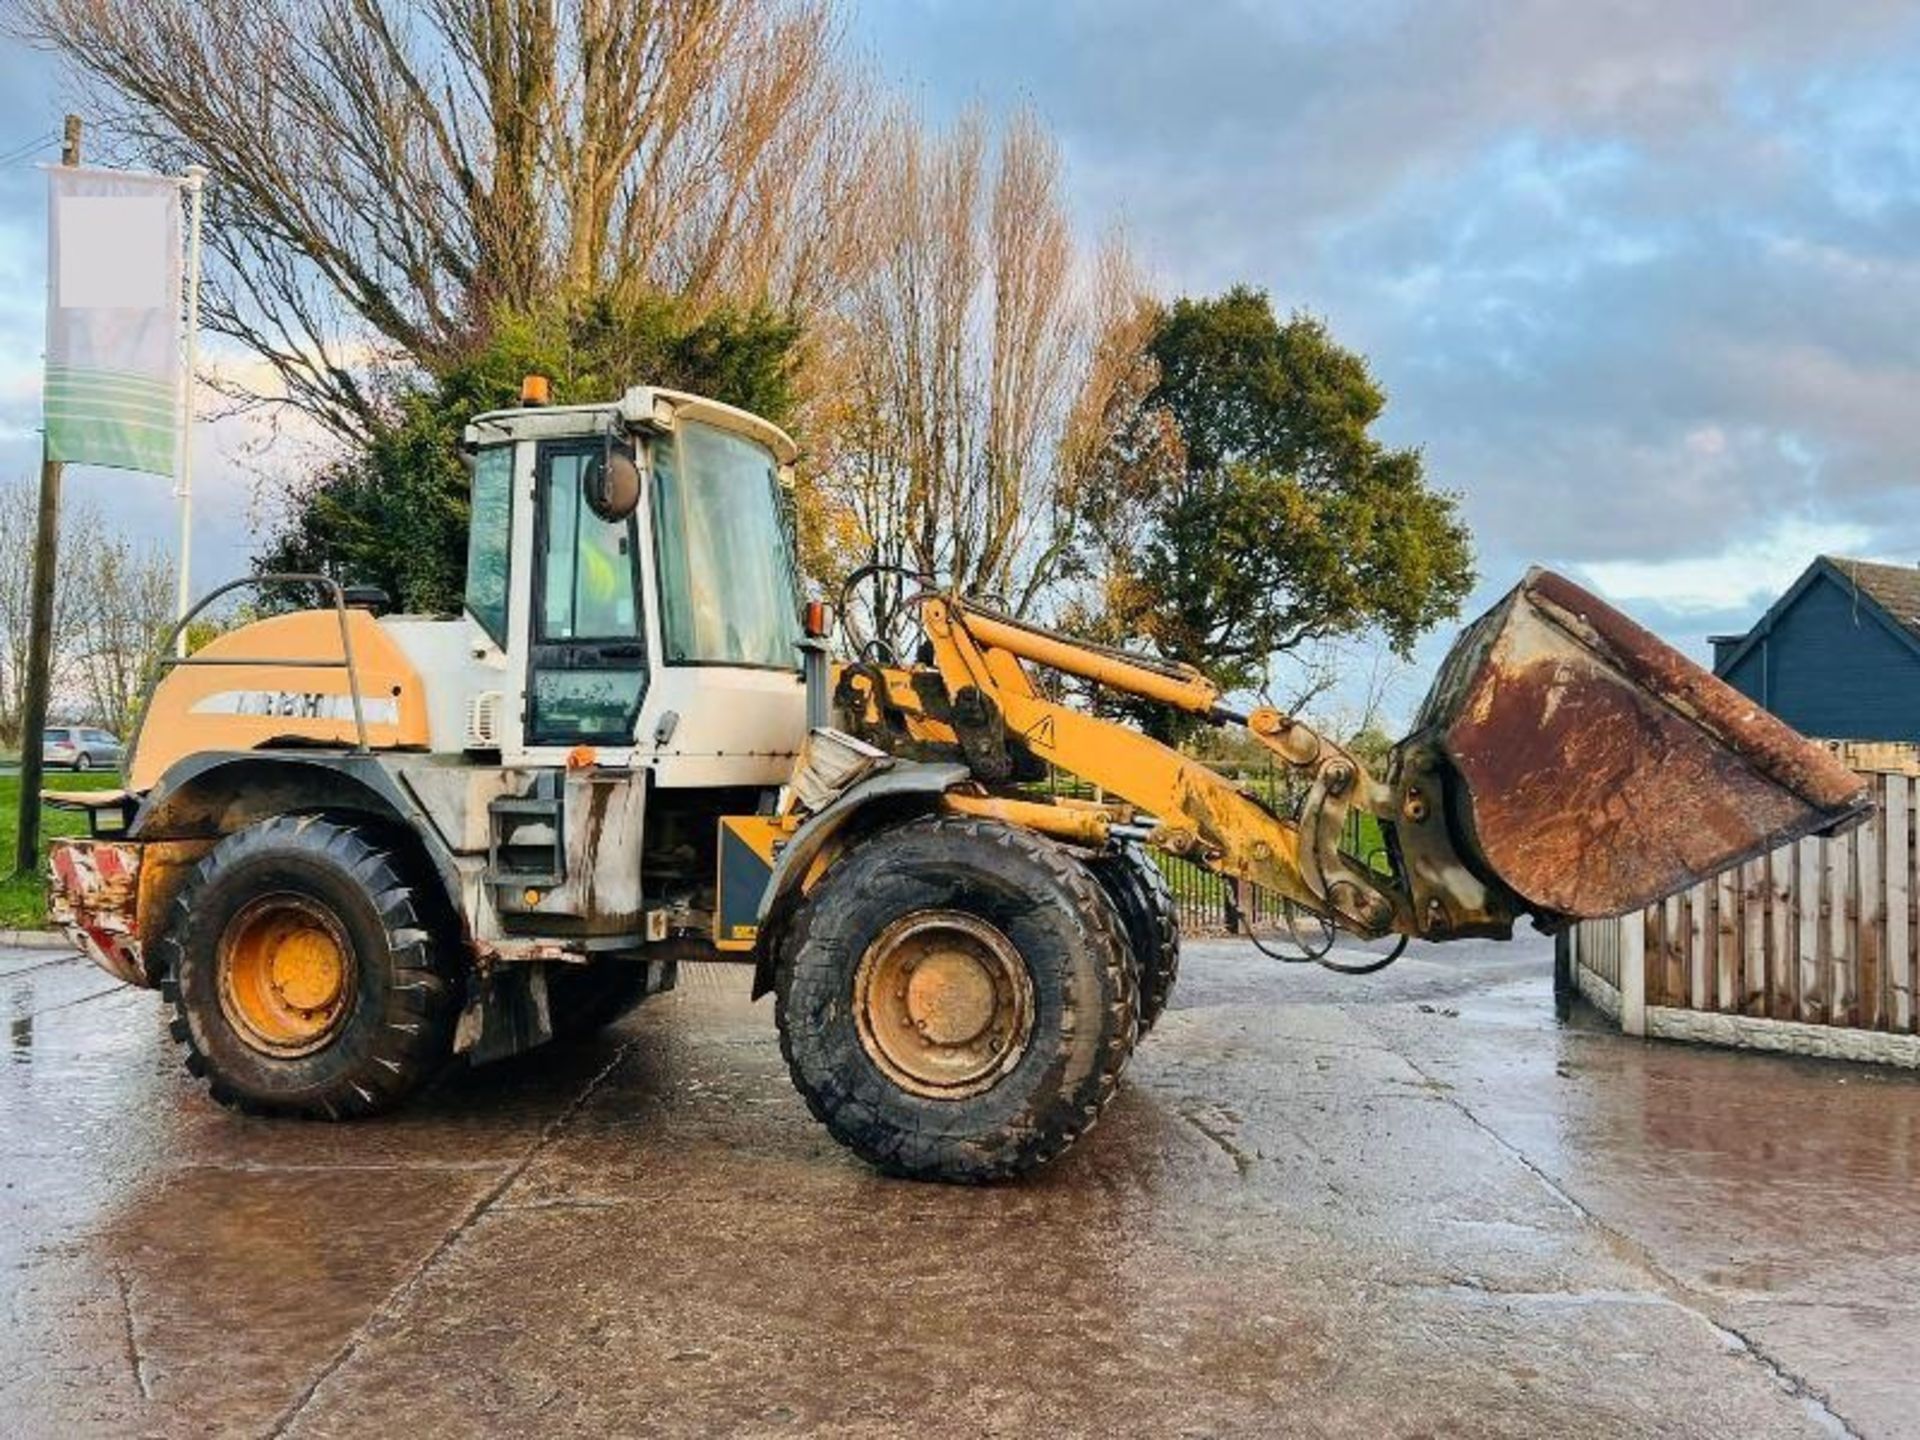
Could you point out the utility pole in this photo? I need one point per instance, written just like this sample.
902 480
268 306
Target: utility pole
196 191
46 547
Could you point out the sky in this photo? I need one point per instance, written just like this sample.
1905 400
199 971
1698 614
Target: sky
1642 280
227 464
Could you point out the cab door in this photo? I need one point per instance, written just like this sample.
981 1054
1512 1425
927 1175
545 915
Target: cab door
564 841
587 652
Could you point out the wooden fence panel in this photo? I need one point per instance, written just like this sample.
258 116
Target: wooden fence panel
1822 931
1727 941
1842 1003
1601 953
1673 952
1899 895
1781 987
1806 905
1751 941
1698 905
1869 922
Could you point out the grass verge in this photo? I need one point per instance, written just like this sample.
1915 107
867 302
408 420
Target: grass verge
23 898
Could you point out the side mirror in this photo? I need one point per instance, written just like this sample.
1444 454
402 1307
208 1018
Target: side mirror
612 485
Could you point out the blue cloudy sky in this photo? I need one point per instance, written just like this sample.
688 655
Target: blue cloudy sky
1642 278
32 105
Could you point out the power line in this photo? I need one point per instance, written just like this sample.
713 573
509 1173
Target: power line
30 149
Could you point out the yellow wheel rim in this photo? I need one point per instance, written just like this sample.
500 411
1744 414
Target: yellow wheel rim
286 975
943 1003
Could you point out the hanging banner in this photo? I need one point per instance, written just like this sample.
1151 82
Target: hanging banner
113 319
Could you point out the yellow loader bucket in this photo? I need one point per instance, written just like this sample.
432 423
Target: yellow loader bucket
1598 770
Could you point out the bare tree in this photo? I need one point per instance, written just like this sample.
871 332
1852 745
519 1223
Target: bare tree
79 526
386 175
391 177
121 621
975 364
1353 688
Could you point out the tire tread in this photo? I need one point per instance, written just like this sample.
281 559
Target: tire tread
1151 919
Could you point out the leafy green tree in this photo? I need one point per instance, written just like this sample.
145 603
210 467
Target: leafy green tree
1248 509
393 512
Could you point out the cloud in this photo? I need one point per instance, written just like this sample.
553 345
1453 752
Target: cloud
232 454
1642 280
1750 573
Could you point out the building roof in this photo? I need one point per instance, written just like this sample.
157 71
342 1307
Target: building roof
1895 588
1890 594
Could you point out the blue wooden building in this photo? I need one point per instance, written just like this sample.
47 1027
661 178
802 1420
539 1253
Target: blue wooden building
1838 655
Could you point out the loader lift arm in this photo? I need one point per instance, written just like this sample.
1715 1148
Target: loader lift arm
1567 764
981 659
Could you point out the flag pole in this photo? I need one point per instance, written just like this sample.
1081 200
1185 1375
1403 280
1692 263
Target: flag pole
196 190
46 545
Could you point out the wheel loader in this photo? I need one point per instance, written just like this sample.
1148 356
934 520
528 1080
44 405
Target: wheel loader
353 845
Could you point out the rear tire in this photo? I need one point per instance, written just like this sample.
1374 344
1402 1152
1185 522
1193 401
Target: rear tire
1148 914
81 762
956 1000
303 977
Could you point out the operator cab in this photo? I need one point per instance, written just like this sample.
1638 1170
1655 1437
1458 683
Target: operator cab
631 588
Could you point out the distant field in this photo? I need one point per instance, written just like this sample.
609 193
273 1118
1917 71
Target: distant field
23 898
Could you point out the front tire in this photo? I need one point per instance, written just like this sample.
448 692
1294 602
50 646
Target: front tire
81 762
303 977
956 1000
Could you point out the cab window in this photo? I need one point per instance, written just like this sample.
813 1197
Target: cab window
728 595
490 541
588 577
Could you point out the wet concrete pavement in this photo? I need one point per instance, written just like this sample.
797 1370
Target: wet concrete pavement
1410 1204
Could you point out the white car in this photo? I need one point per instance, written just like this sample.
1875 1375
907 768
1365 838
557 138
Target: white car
80 747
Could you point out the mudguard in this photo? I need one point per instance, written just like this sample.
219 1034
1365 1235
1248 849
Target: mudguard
900 789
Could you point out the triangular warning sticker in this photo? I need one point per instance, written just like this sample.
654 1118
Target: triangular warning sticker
1041 735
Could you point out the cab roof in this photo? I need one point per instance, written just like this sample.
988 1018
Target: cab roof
644 407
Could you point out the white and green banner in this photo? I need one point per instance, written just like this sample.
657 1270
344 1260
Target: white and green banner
113 319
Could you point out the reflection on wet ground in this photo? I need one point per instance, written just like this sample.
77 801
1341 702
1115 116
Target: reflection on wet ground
1411 1204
